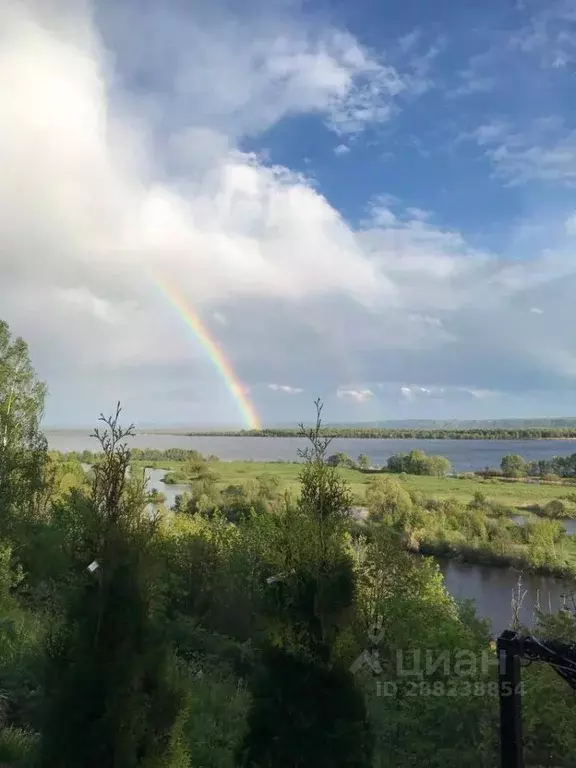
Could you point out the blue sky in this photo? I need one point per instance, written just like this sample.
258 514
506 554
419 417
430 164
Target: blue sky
368 202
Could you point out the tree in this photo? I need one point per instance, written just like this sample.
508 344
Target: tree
438 465
387 499
113 694
303 691
199 470
339 459
22 446
513 465
418 463
404 616
363 461
542 536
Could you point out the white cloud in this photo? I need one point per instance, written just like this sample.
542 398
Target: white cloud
549 35
570 225
408 41
536 310
433 321
285 388
103 190
480 394
80 203
417 213
341 149
543 150
359 395
416 391
472 84
406 392
83 300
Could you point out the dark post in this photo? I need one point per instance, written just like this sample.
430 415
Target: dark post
509 653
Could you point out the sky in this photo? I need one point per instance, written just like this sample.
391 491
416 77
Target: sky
372 203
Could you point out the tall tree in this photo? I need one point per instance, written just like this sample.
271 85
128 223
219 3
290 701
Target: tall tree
112 691
22 445
306 708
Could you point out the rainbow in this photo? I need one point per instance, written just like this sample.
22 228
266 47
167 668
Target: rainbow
210 344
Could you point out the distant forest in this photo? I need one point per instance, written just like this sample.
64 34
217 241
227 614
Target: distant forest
422 429
481 430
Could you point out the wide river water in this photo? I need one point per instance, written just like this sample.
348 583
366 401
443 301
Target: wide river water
490 587
464 454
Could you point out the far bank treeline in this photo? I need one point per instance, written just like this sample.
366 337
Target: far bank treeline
383 433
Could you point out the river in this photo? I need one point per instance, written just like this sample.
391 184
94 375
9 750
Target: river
492 589
465 455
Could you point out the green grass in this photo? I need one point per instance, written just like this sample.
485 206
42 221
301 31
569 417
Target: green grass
515 494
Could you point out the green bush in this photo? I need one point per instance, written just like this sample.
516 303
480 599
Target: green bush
499 509
18 747
418 463
558 508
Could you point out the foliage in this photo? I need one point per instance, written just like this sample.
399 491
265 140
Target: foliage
510 429
513 465
559 508
306 714
418 463
113 692
363 461
18 747
405 617
22 445
302 689
340 460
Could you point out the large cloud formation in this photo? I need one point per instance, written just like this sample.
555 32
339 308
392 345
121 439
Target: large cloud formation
121 135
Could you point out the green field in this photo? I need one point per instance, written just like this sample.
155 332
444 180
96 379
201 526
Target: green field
516 494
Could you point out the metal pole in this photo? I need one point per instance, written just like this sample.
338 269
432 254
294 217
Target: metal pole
510 701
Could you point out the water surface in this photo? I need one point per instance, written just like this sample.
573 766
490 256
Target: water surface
465 455
492 590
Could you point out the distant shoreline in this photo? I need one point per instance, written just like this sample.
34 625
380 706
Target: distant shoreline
385 434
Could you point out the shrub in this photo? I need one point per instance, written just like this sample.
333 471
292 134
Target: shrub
17 747
418 463
558 508
499 509
513 465
386 497
478 501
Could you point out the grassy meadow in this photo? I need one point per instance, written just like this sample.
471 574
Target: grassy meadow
517 494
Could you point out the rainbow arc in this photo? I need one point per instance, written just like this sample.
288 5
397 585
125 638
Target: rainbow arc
214 352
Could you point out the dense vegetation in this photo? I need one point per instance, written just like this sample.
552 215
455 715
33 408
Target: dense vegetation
263 631
407 433
418 463
479 528
557 467
471 518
